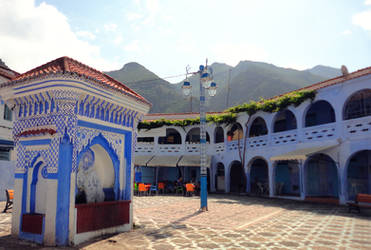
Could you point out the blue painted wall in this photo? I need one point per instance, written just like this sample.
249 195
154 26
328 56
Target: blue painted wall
63 193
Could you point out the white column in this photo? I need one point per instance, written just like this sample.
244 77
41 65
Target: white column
271 178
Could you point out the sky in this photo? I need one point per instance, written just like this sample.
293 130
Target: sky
166 35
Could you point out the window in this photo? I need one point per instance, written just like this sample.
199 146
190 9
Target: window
172 137
285 120
358 105
146 139
320 112
258 128
4 154
7 113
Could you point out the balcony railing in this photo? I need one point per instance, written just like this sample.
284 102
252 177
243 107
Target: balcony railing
357 127
330 131
321 132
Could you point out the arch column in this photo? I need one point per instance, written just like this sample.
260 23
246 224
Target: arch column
213 171
302 179
271 178
248 179
227 178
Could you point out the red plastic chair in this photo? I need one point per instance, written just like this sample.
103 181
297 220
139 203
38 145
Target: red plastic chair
190 189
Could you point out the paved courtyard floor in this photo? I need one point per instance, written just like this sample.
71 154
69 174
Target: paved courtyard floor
232 222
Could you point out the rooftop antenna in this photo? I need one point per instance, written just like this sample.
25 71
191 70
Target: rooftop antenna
344 70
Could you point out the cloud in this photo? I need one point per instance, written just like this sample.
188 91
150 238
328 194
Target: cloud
85 34
368 2
33 35
346 32
132 16
363 19
233 53
133 46
110 27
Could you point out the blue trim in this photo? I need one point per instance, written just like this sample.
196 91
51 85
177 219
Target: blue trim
39 83
203 141
101 127
65 85
63 192
33 186
36 142
128 145
19 175
100 140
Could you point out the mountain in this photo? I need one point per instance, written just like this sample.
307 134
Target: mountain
2 64
160 93
325 71
247 81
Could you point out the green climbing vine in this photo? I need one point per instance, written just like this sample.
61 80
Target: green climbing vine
230 115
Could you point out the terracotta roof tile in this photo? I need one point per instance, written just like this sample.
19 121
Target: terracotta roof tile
69 65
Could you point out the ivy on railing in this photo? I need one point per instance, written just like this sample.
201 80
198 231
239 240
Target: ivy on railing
225 118
275 104
230 115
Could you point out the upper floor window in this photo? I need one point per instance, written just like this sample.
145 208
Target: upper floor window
146 139
358 105
172 137
258 128
7 113
219 135
193 136
320 112
285 120
235 133
4 154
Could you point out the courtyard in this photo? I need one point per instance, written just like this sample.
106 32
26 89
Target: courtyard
232 222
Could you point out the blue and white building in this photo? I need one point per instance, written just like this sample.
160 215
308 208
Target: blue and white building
318 151
73 132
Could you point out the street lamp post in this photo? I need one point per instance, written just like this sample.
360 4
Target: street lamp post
205 74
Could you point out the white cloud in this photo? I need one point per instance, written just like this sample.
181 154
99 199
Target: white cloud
85 34
363 19
110 27
346 32
32 35
118 40
133 16
233 53
368 2
133 46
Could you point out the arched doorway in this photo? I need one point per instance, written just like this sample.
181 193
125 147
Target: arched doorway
320 112
237 181
259 180
220 177
286 178
235 133
172 137
219 135
358 105
284 120
359 174
258 128
321 177
193 136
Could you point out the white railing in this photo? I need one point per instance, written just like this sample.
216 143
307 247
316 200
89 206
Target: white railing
283 138
170 148
259 141
219 147
193 147
143 147
321 132
233 145
357 127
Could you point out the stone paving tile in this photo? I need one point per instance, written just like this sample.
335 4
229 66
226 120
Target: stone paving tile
232 222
